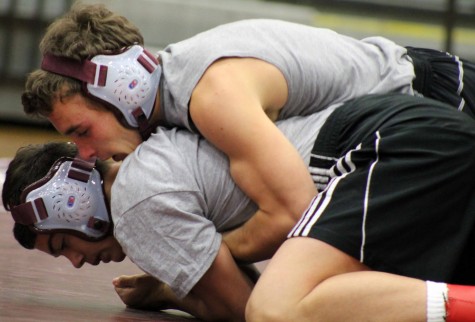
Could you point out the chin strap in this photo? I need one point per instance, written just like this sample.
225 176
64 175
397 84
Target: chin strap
144 126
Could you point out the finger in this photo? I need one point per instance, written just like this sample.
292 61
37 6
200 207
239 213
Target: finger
125 281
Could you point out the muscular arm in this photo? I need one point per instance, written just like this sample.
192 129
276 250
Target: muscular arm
220 295
259 238
233 106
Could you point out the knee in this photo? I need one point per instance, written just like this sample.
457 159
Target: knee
264 311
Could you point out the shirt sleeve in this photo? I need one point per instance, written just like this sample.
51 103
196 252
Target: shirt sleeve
167 236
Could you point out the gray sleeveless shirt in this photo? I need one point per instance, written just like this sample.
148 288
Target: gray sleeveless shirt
321 67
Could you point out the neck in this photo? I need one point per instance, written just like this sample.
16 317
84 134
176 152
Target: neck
109 177
155 117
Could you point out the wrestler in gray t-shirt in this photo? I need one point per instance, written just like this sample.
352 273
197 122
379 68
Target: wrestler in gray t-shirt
174 194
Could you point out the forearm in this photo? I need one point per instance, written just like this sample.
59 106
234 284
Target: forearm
220 295
163 298
280 186
259 238
282 199
145 292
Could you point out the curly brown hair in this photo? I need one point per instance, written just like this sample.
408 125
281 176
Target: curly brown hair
83 32
89 30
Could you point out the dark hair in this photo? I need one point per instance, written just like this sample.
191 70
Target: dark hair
30 164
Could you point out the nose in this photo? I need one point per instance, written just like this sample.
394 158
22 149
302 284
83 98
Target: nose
86 152
76 258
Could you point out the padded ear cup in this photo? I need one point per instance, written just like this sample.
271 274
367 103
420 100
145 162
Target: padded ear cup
132 81
72 202
127 81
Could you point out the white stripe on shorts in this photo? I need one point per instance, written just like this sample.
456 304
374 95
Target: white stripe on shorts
321 201
461 84
366 197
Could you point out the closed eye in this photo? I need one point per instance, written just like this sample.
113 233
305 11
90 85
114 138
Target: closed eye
82 134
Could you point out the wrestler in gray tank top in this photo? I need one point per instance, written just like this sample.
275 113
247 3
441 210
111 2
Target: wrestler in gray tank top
321 66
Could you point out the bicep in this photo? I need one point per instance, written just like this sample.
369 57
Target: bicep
231 105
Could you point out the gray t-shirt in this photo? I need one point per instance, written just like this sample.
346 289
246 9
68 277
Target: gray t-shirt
174 194
321 67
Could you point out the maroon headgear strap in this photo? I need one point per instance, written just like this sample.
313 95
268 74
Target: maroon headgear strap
84 70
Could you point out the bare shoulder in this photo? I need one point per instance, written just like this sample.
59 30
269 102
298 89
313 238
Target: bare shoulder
242 79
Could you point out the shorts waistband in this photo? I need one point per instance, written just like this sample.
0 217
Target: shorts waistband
423 70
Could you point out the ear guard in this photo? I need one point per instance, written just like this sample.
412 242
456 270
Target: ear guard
127 81
69 199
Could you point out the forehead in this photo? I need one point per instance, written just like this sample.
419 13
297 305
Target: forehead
70 104
73 111
67 110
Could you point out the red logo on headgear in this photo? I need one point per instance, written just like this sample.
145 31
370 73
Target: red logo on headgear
71 200
133 84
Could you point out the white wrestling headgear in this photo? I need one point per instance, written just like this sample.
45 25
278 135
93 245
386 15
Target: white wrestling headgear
69 198
127 81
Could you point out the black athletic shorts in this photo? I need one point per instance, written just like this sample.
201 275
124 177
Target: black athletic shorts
398 180
444 77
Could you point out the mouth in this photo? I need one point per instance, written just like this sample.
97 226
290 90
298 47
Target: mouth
96 262
118 157
105 259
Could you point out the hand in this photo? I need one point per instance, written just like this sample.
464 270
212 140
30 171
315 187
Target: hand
142 291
